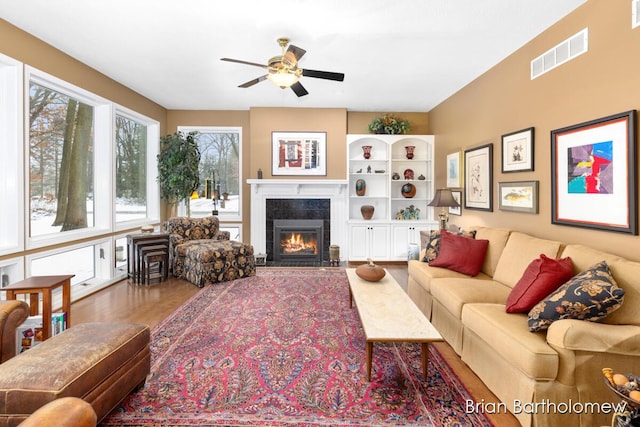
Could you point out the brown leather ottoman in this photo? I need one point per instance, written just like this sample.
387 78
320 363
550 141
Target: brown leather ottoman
99 362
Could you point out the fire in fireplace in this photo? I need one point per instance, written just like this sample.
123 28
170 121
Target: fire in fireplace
297 239
299 243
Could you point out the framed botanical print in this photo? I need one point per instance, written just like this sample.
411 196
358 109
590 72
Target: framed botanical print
594 176
478 174
517 151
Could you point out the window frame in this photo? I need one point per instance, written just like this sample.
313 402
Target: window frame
102 130
153 149
182 209
11 162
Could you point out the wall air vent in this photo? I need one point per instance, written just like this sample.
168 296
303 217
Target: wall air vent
635 13
565 51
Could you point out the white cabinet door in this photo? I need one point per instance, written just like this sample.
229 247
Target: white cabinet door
379 242
358 238
368 241
402 235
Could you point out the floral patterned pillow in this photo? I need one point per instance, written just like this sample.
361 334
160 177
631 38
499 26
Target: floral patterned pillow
590 295
433 243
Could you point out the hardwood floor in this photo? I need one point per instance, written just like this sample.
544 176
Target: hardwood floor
149 304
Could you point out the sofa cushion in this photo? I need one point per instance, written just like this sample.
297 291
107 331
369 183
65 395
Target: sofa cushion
625 272
423 273
497 238
543 276
507 334
461 254
590 295
432 246
454 293
519 251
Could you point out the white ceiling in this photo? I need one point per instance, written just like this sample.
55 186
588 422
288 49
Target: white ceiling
401 55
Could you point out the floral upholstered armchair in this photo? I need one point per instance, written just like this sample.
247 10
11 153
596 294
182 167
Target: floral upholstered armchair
185 232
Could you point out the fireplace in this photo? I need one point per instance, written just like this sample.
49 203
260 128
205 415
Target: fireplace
273 199
309 218
298 239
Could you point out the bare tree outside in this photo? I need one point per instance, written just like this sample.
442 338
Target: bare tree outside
60 159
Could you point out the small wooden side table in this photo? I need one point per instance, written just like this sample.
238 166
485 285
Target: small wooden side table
35 285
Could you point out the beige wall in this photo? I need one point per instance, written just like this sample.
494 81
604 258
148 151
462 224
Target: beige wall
31 51
599 83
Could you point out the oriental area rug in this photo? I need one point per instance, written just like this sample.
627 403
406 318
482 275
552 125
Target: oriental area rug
284 349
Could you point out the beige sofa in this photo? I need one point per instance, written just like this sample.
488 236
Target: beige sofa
533 374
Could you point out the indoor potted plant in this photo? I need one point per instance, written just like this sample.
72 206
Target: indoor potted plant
178 168
389 124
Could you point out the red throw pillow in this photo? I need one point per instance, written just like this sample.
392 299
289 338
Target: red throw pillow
543 276
460 254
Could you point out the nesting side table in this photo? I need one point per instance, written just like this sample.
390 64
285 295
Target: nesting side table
135 245
36 285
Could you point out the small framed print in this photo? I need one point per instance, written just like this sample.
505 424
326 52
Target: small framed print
299 153
457 196
517 151
453 170
521 196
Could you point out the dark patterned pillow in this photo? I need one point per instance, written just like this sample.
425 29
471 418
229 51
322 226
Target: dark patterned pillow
590 295
432 246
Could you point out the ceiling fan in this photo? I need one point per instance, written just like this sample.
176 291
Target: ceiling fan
283 69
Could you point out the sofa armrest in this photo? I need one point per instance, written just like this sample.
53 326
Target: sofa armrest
64 412
12 314
580 335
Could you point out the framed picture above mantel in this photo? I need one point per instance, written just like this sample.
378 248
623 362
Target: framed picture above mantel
594 175
299 153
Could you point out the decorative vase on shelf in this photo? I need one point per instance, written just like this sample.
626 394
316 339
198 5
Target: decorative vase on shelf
361 187
409 149
408 190
367 211
395 176
366 151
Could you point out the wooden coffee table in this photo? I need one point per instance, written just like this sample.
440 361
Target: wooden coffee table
388 315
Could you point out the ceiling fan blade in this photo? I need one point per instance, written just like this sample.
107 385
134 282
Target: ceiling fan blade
323 75
254 81
293 54
244 62
299 89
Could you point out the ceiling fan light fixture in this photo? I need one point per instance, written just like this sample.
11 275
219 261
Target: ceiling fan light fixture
283 78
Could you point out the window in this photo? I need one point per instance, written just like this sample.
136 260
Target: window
131 169
60 161
11 160
220 172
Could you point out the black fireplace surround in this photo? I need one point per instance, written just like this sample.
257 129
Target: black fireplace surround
288 209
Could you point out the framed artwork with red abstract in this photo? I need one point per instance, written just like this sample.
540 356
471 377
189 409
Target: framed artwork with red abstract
594 176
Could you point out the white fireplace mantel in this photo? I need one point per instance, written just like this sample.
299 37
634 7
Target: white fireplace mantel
264 189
